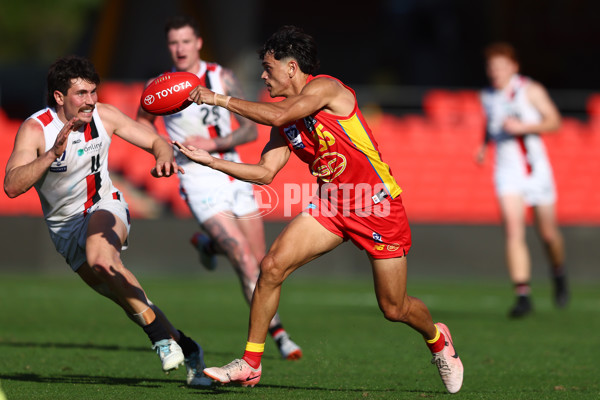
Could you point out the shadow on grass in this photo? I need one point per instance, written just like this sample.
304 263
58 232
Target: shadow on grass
91 346
86 346
219 389
157 383
89 380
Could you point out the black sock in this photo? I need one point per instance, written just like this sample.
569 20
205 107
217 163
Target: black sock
274 329
188 346
558 271
156 331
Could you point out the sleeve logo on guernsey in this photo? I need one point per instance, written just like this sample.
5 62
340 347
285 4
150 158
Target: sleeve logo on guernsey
293 135
57 165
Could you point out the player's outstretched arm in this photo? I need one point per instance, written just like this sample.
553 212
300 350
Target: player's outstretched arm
274 156
142 136
28 161
321 93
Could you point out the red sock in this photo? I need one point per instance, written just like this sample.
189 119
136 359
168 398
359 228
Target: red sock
522 289
253 354
437 343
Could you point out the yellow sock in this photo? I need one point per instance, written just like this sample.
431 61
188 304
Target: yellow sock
255 347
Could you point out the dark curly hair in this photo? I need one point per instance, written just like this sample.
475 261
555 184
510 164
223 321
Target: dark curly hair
291 42
64 70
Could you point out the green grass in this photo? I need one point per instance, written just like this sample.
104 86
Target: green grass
59 340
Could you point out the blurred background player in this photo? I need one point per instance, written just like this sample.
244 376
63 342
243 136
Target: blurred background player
518 111
225 208
359 199
62 151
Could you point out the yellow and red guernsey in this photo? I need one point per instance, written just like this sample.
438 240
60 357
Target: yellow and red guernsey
342 153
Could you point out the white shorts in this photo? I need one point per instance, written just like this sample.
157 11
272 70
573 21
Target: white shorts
209 192
536 188
524 173
72 246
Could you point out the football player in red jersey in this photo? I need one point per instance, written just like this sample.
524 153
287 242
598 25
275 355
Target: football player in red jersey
62 151
359 199
225 209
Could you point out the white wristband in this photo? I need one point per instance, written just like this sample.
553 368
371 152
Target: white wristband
222 100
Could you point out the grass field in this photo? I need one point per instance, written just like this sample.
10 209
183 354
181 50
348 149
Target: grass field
59 340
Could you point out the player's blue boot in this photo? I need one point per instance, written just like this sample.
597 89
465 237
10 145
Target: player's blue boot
195 366
207 257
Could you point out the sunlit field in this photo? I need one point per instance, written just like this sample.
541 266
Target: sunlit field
59 340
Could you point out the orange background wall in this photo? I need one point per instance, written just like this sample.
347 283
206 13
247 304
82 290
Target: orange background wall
431 156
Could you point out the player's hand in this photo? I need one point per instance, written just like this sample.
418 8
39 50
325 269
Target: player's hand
166 169
514 126
60 144
202 95
197 155
200 142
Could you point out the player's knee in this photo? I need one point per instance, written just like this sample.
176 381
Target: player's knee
100 267
105 268
271 270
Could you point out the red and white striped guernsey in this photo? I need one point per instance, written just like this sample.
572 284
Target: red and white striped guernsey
526 152
79 178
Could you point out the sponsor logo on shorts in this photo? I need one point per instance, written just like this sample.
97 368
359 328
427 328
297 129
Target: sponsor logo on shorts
377 237
393 247
379 247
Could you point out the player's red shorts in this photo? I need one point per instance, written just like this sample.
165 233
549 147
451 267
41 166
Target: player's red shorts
382 230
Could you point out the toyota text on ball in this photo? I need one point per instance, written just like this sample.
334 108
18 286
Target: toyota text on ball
175 88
